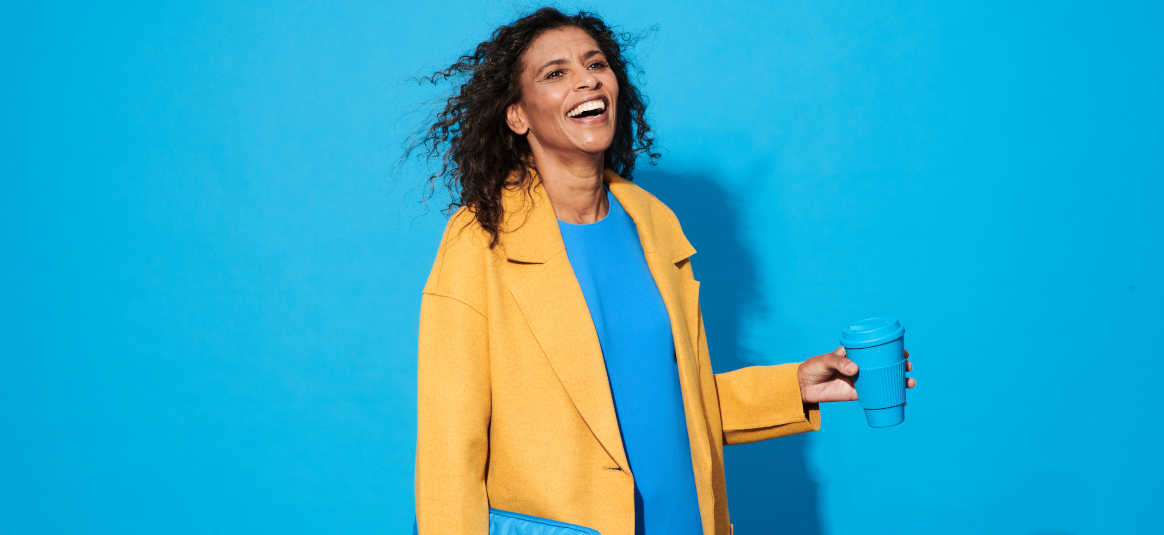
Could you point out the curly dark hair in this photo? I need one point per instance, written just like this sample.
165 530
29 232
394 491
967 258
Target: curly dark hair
470 137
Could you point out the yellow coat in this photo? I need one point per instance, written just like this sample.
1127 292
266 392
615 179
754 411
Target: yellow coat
514 409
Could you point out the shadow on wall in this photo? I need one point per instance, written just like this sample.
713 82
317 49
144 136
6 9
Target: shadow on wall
769 490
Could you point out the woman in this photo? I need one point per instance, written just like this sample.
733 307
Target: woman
563 371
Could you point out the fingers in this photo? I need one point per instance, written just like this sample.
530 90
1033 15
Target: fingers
840 351
841 363
906 353
910 382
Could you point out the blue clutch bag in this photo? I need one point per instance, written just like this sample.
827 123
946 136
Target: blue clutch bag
508 523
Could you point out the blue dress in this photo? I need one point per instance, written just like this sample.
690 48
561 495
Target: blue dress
635 334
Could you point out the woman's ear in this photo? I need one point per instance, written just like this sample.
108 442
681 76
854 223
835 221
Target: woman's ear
515 118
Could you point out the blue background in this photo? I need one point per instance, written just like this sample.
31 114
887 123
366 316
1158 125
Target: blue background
211 275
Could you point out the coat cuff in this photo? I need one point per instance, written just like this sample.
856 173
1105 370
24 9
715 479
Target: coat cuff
763 402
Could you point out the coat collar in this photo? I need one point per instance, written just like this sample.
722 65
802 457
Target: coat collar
530 232
555 309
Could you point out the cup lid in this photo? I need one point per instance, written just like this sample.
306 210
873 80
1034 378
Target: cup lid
871 332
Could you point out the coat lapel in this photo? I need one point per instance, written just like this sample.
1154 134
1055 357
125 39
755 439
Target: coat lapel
554 307
556 311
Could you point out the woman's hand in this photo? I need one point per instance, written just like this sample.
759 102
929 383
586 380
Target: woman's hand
829 377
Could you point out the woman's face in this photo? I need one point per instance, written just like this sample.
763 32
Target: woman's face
568 95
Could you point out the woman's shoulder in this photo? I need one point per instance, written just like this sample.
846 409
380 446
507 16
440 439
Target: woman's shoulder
462 258
463 232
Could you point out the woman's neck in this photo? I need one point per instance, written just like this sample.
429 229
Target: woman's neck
574 187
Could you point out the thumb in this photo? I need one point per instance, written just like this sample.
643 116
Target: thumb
841 364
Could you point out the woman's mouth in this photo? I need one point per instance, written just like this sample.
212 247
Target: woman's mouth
590 108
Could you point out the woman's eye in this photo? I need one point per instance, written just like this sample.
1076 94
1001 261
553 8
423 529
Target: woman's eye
554 74
598 65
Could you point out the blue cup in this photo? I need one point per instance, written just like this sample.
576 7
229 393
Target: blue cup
877 345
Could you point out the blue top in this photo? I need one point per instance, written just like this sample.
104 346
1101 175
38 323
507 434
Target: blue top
635 334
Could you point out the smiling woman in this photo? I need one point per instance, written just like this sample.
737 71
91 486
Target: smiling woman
569 95
563 378
481 155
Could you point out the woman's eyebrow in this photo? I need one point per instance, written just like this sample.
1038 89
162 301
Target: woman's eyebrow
561 61
550 63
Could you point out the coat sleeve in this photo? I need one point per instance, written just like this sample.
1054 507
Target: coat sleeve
453 411
760 402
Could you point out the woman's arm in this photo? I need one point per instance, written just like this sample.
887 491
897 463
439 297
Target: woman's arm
759 402
452 420
762 402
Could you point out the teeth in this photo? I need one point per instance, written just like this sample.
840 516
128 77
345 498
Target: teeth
587 106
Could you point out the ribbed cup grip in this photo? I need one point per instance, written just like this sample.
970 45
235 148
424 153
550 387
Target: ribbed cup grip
879 388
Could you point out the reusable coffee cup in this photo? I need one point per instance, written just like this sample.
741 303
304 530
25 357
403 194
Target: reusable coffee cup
877 345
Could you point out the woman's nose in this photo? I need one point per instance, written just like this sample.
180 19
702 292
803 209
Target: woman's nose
587 80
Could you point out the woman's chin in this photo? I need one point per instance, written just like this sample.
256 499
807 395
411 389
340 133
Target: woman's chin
584 153
594 146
